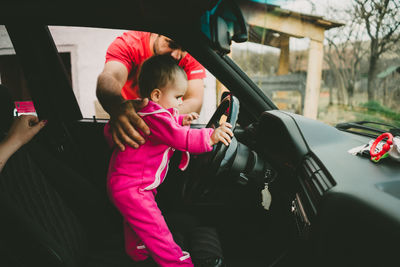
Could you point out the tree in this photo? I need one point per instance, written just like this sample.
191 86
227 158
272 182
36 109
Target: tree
382 23
344 54
254 62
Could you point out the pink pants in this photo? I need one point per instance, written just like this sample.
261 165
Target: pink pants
146 232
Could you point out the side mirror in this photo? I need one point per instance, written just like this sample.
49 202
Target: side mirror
223 24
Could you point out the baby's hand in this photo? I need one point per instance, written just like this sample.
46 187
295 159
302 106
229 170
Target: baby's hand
223 133
187 120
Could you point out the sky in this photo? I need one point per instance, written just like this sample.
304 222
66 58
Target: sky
321 7
315 7
306 6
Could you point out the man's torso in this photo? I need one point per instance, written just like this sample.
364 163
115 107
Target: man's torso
132 49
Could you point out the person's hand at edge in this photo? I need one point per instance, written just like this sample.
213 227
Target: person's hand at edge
125 124
187 120
23 129
222 134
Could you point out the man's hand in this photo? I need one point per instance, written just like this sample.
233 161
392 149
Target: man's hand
125 124
187 120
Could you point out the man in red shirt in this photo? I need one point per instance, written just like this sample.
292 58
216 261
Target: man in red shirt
117 84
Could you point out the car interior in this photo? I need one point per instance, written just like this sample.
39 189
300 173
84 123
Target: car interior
328 208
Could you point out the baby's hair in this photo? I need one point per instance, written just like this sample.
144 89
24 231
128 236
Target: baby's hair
157 72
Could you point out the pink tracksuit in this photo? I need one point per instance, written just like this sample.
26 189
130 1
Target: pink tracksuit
134 175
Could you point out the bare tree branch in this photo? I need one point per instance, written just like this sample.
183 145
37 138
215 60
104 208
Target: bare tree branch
382 22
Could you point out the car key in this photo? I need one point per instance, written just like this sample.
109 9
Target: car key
266 197
269 177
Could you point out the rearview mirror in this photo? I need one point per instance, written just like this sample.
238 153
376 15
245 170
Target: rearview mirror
223 24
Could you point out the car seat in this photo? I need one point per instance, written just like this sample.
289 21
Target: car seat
51 215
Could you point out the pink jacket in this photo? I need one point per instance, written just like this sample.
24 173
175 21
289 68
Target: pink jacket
147 165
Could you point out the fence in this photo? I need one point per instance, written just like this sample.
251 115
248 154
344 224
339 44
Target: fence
273 85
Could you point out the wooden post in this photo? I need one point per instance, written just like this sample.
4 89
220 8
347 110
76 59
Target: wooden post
220 88
314 72
284 56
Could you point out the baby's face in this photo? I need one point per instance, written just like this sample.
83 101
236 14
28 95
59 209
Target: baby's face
172 93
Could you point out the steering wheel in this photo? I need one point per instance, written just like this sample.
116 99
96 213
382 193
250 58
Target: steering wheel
204 168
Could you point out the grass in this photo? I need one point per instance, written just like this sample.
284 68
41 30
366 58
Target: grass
369 111
337 113
375 108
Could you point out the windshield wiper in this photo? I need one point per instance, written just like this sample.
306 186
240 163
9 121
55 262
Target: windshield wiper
367 130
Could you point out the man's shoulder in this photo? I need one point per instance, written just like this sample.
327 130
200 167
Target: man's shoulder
136 34
131 48
135 37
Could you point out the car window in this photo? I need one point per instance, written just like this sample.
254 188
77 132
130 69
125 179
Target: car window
11 74
316 58
11 71
86 50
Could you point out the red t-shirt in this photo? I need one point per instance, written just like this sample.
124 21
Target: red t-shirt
132 49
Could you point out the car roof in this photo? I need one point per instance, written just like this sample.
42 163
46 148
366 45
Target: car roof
156 15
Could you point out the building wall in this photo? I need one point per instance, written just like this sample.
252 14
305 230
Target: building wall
5 43
87 47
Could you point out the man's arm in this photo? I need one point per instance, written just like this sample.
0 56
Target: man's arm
123 116
193 99
110 83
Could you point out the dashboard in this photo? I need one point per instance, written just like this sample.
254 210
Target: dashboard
347 207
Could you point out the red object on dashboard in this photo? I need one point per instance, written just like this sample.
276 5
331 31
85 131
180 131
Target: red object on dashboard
385 148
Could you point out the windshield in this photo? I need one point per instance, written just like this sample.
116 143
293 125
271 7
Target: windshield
335 61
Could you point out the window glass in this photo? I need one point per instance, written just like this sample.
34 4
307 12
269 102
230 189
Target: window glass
85 48
11 74
319 58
